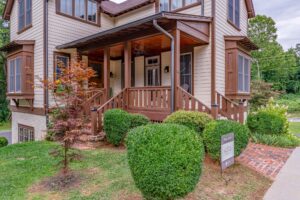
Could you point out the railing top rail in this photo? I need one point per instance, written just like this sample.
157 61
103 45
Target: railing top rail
150 87
114 97
234 103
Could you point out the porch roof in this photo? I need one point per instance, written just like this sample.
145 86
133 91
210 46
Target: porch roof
140 28
243 41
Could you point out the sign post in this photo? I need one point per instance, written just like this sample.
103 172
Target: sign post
227 151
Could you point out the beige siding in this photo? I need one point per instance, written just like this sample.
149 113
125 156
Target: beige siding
34 33
224 28
137 14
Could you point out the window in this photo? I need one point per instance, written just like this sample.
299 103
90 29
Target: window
234 12
84 10
80 8
26 133
25 14
61 61
243 74
14 67
167 5
186 72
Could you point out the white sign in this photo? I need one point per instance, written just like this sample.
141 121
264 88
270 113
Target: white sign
227 150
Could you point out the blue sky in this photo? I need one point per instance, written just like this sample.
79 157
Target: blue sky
286 13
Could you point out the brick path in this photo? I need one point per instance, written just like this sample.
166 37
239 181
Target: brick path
266 160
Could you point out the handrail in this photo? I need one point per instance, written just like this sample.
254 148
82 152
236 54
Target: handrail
93 98
186 101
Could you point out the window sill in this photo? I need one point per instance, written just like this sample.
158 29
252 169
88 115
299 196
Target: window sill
25 29
19 95
232 24
80 20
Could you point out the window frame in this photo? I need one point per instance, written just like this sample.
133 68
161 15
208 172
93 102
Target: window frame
245 57
73 16
14 60
233 22
183 7
25 12
29 128
67 55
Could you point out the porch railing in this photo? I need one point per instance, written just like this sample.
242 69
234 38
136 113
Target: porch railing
94 98
186 101
230 109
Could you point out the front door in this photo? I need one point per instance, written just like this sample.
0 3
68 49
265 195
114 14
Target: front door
153 76
186 72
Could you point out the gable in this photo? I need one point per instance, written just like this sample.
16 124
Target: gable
122 8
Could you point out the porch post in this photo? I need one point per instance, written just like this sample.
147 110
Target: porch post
241 112
106 72
176 72
127 64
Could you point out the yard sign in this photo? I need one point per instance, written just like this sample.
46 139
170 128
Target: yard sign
227 150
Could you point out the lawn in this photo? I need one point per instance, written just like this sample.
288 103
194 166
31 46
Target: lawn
104 174
295 127
4 126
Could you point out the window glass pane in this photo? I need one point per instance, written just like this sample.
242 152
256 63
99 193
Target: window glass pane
247 75
92 11
186 72
80 8
21 14
237 13
164 5
230 10
12 76
240 73
28 12
18 74
61 62
176 4
66 6
187 2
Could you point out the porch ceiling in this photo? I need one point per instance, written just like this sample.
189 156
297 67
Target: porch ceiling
194 26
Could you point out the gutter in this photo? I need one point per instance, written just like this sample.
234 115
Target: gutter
172 62
46 61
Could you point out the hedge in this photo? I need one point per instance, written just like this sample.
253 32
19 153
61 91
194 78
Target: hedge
164 162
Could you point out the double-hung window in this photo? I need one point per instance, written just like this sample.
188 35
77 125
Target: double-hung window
168 5
84 10
243 74
25 14
14 67
234 12
25 133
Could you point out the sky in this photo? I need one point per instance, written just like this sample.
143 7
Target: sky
286 14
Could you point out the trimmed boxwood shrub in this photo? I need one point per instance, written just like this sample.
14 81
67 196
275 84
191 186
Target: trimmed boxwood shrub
194 120
138 120
214 131
3 142
164 162
116 125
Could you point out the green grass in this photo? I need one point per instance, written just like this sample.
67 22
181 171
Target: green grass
5 126
295 127
105 175
290 100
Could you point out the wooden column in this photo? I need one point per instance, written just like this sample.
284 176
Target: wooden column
176 72
106 72
127 64
241 112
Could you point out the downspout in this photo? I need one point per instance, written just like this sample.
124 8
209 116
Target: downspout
172 62
46 61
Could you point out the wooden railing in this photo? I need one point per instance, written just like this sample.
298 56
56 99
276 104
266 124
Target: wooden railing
118 101
94 98
186 101
230 109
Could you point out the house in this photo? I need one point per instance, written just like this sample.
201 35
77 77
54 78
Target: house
151 56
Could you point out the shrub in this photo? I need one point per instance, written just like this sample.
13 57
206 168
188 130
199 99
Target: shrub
116 125
284 141
3 142
138 120
271 119
165 164
193 120
292 101
214 131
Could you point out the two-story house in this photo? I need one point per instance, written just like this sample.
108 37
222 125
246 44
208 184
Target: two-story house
151 56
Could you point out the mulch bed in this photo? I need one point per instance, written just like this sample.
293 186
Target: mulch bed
266 160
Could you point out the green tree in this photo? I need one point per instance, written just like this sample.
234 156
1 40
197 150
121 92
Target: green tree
4 39
271 62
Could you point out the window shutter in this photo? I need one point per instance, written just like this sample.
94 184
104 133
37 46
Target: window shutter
240 73
28 12
237 13
230 10
21 14
246 75
18 74
11 76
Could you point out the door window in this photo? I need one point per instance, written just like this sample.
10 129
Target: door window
153 76
186 72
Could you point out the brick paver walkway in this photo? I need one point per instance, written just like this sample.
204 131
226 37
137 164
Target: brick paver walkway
266 160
